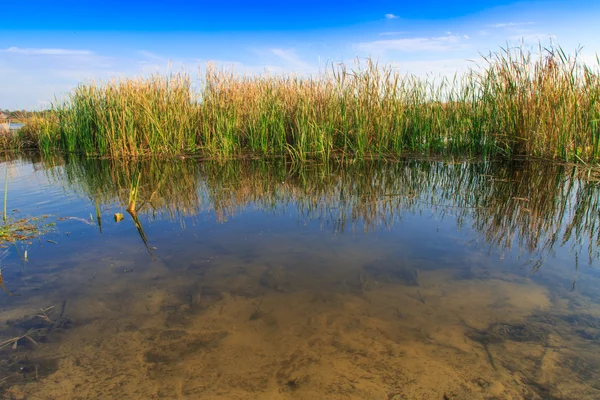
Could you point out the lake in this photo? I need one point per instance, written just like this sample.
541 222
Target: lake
416 279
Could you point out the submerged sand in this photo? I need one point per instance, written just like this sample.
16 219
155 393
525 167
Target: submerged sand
223 329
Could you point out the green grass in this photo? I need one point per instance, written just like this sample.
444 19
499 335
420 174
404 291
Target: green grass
516 104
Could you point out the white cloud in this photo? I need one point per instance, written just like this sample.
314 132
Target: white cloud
532 38
290 56
151 56
240 68
447 67
589 58
509 24
37 75
47 52
392 33
419 44
390 16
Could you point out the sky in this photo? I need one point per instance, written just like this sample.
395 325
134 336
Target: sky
48 47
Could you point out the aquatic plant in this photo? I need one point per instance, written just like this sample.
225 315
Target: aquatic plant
514 104
2 256
130 117
133 193
5 193
98 216
40 131
24 229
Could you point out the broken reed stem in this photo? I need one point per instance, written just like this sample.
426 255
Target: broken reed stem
133 193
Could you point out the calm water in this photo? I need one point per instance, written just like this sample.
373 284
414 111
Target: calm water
256 280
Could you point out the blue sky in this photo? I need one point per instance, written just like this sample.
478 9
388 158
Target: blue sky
47 47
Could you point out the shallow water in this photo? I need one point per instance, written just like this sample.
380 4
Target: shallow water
246 280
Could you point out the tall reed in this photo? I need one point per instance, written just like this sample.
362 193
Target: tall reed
130 117
516 104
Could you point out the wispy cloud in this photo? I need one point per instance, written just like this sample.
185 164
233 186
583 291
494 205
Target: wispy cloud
419 44
242 68
37 75
446 67
290 57
47 52
151 56
390 16
396 33
150 62
509 24
532 38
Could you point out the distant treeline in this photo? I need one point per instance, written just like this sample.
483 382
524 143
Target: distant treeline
23 114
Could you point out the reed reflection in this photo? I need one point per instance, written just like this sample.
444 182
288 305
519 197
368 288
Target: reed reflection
533 206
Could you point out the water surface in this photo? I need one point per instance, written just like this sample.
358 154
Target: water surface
253 279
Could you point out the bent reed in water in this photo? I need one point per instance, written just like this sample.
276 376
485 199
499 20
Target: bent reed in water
515 105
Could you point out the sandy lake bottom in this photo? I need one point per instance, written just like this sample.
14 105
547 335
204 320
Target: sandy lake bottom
402 285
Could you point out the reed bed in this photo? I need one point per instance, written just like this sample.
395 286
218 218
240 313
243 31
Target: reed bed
515 104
